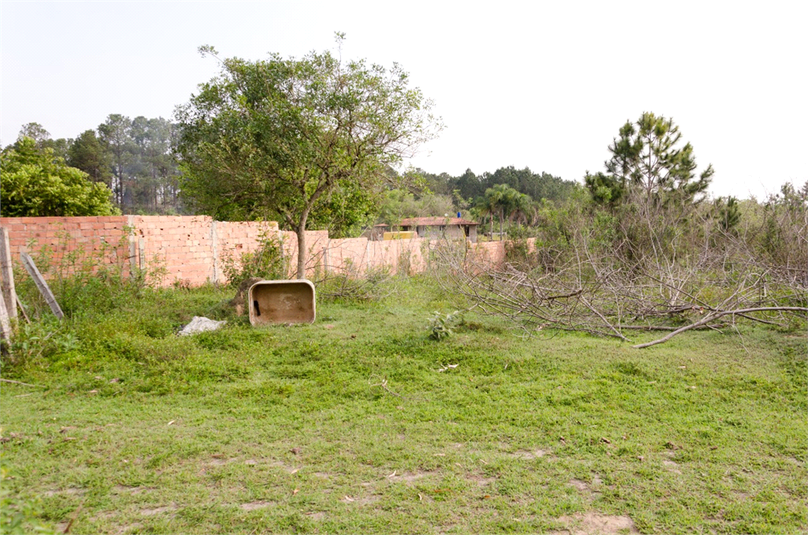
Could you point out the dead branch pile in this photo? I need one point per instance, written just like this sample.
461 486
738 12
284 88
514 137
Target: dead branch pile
647 277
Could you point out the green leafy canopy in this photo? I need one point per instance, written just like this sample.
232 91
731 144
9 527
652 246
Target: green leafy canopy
36 183
280 138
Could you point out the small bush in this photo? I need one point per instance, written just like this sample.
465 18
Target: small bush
441 325
266 262
33 342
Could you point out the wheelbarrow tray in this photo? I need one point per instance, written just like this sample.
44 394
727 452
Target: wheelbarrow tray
283 301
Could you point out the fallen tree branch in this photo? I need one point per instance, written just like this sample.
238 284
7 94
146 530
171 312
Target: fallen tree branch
20 383
765 322
714 316
383 384
665 328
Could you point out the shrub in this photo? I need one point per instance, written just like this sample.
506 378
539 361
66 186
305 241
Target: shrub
267 262
441 325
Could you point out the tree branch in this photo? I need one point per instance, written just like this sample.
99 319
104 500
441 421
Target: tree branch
718 314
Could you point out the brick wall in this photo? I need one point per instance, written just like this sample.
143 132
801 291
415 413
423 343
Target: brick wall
105 237
190 248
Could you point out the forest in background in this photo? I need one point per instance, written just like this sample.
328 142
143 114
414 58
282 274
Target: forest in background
134 159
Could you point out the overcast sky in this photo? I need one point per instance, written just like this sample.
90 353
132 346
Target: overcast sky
544 85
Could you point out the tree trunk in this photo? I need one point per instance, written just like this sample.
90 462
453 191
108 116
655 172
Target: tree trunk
301 251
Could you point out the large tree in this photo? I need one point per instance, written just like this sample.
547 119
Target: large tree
91 155
116 135
43 139
152 167
279 137
34 182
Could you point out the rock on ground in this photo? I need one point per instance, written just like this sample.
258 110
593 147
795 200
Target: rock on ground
200 324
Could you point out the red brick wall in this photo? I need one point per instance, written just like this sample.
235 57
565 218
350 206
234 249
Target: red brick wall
190 248
102 236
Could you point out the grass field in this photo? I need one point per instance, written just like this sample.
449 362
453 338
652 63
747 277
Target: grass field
361 423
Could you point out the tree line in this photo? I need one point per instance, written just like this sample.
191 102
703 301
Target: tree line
135 159
470 186
132 157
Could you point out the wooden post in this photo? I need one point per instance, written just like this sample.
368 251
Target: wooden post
39 280
7 273
22 309
5 324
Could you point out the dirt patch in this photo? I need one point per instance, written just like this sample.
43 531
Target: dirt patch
672 466
588 523
480 480
124 489
407 477
319 516
361 500
528 455
592 490
252 506
158 510
580 485
218 461
129 528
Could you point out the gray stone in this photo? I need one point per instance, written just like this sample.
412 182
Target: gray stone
201 324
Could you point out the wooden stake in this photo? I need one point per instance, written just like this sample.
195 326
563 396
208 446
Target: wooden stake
5 325
22 309
39 280
7 274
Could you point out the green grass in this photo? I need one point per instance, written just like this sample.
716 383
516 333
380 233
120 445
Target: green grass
347 425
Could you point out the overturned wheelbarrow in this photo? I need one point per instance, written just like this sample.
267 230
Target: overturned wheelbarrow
285 301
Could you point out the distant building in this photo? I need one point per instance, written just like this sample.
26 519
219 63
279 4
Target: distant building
432 228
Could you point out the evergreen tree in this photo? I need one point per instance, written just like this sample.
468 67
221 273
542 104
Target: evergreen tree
648 162
88 153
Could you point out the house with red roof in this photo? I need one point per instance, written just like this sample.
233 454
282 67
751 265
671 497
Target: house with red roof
431 228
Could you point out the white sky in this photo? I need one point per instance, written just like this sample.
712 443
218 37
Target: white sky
539 84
